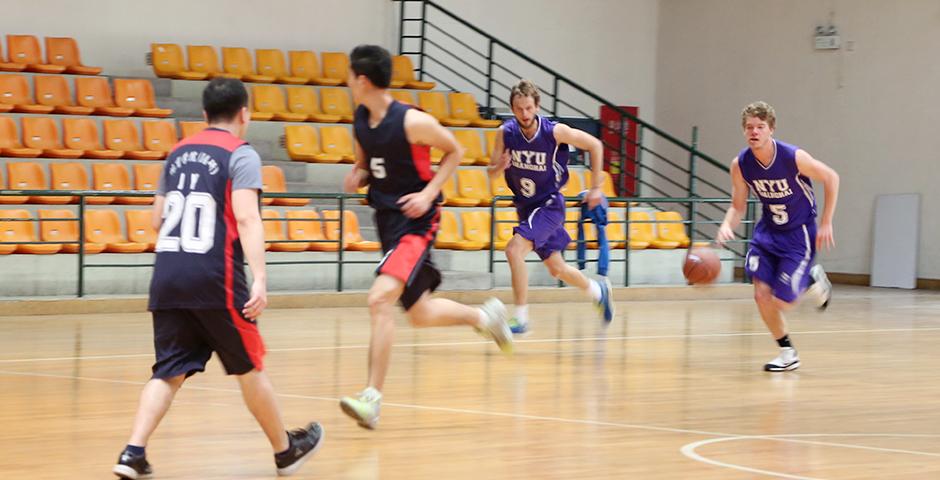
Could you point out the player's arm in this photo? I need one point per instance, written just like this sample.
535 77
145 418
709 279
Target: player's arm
823 173
739 191
245 167
359 176
423 129
587 142
499 157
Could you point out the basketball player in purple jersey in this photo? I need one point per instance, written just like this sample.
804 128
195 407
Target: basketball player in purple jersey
532 152
393 143
206 210
786 237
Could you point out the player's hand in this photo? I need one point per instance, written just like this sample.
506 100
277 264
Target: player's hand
594 197
824 237
725 234
414 205
503 162
258 300
354 179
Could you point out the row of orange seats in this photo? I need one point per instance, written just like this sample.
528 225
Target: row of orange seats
472 187
80 139
270 66
314 231
306 143
474 231
103 232
62 56
111 177
334 105
51 94
307 230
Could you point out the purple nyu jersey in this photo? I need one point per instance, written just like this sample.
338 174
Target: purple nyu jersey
786 195
538 167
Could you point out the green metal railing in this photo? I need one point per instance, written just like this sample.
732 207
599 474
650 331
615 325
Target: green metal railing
446 45
340 261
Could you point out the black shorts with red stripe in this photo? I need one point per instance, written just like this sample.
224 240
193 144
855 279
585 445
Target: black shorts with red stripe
184 340
406 243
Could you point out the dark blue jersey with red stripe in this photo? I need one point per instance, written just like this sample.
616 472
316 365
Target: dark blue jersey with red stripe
396 167
199 263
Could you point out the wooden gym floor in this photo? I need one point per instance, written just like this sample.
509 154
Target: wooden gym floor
672 390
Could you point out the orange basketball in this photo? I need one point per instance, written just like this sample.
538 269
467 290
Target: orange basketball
702 266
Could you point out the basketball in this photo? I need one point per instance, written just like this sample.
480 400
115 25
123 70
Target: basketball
702 266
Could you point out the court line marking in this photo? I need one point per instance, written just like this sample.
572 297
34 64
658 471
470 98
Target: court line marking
689 449
487 342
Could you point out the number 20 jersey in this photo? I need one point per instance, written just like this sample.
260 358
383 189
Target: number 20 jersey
538 167
786 195
199 261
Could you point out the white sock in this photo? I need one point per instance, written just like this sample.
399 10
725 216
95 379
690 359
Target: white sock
484 319
594 290
522 313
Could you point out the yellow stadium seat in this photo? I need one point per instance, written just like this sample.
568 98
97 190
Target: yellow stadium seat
104 226
476 230
464 107
274 238
82 134
96 93
303 144
272 180
452 198
473 184
122 135
167 60
138 94
304 63
64 231
271 63
191 128
22 231
24 50
303 100
30 176
435 104
573 187
41 133
14 92
472 148
607 186
403 96
448 235
64 51
504 230
498 187
352 237
643 232
237 61
159 136
306 225
337 141
53 91
204 59
113 176
669 228
10 145
68 176
268 103
335 66
335 101
404 71
140 227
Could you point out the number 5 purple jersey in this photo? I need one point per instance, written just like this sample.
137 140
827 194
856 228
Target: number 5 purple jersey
786 195
538 167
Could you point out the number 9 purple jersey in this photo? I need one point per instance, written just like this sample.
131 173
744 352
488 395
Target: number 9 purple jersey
786 195
538 167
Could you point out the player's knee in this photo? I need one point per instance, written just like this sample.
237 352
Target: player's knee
783 305
556 269
763 295
379 299
515 250
176 382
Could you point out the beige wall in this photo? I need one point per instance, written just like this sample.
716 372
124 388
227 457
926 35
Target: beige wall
116 34
870 112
